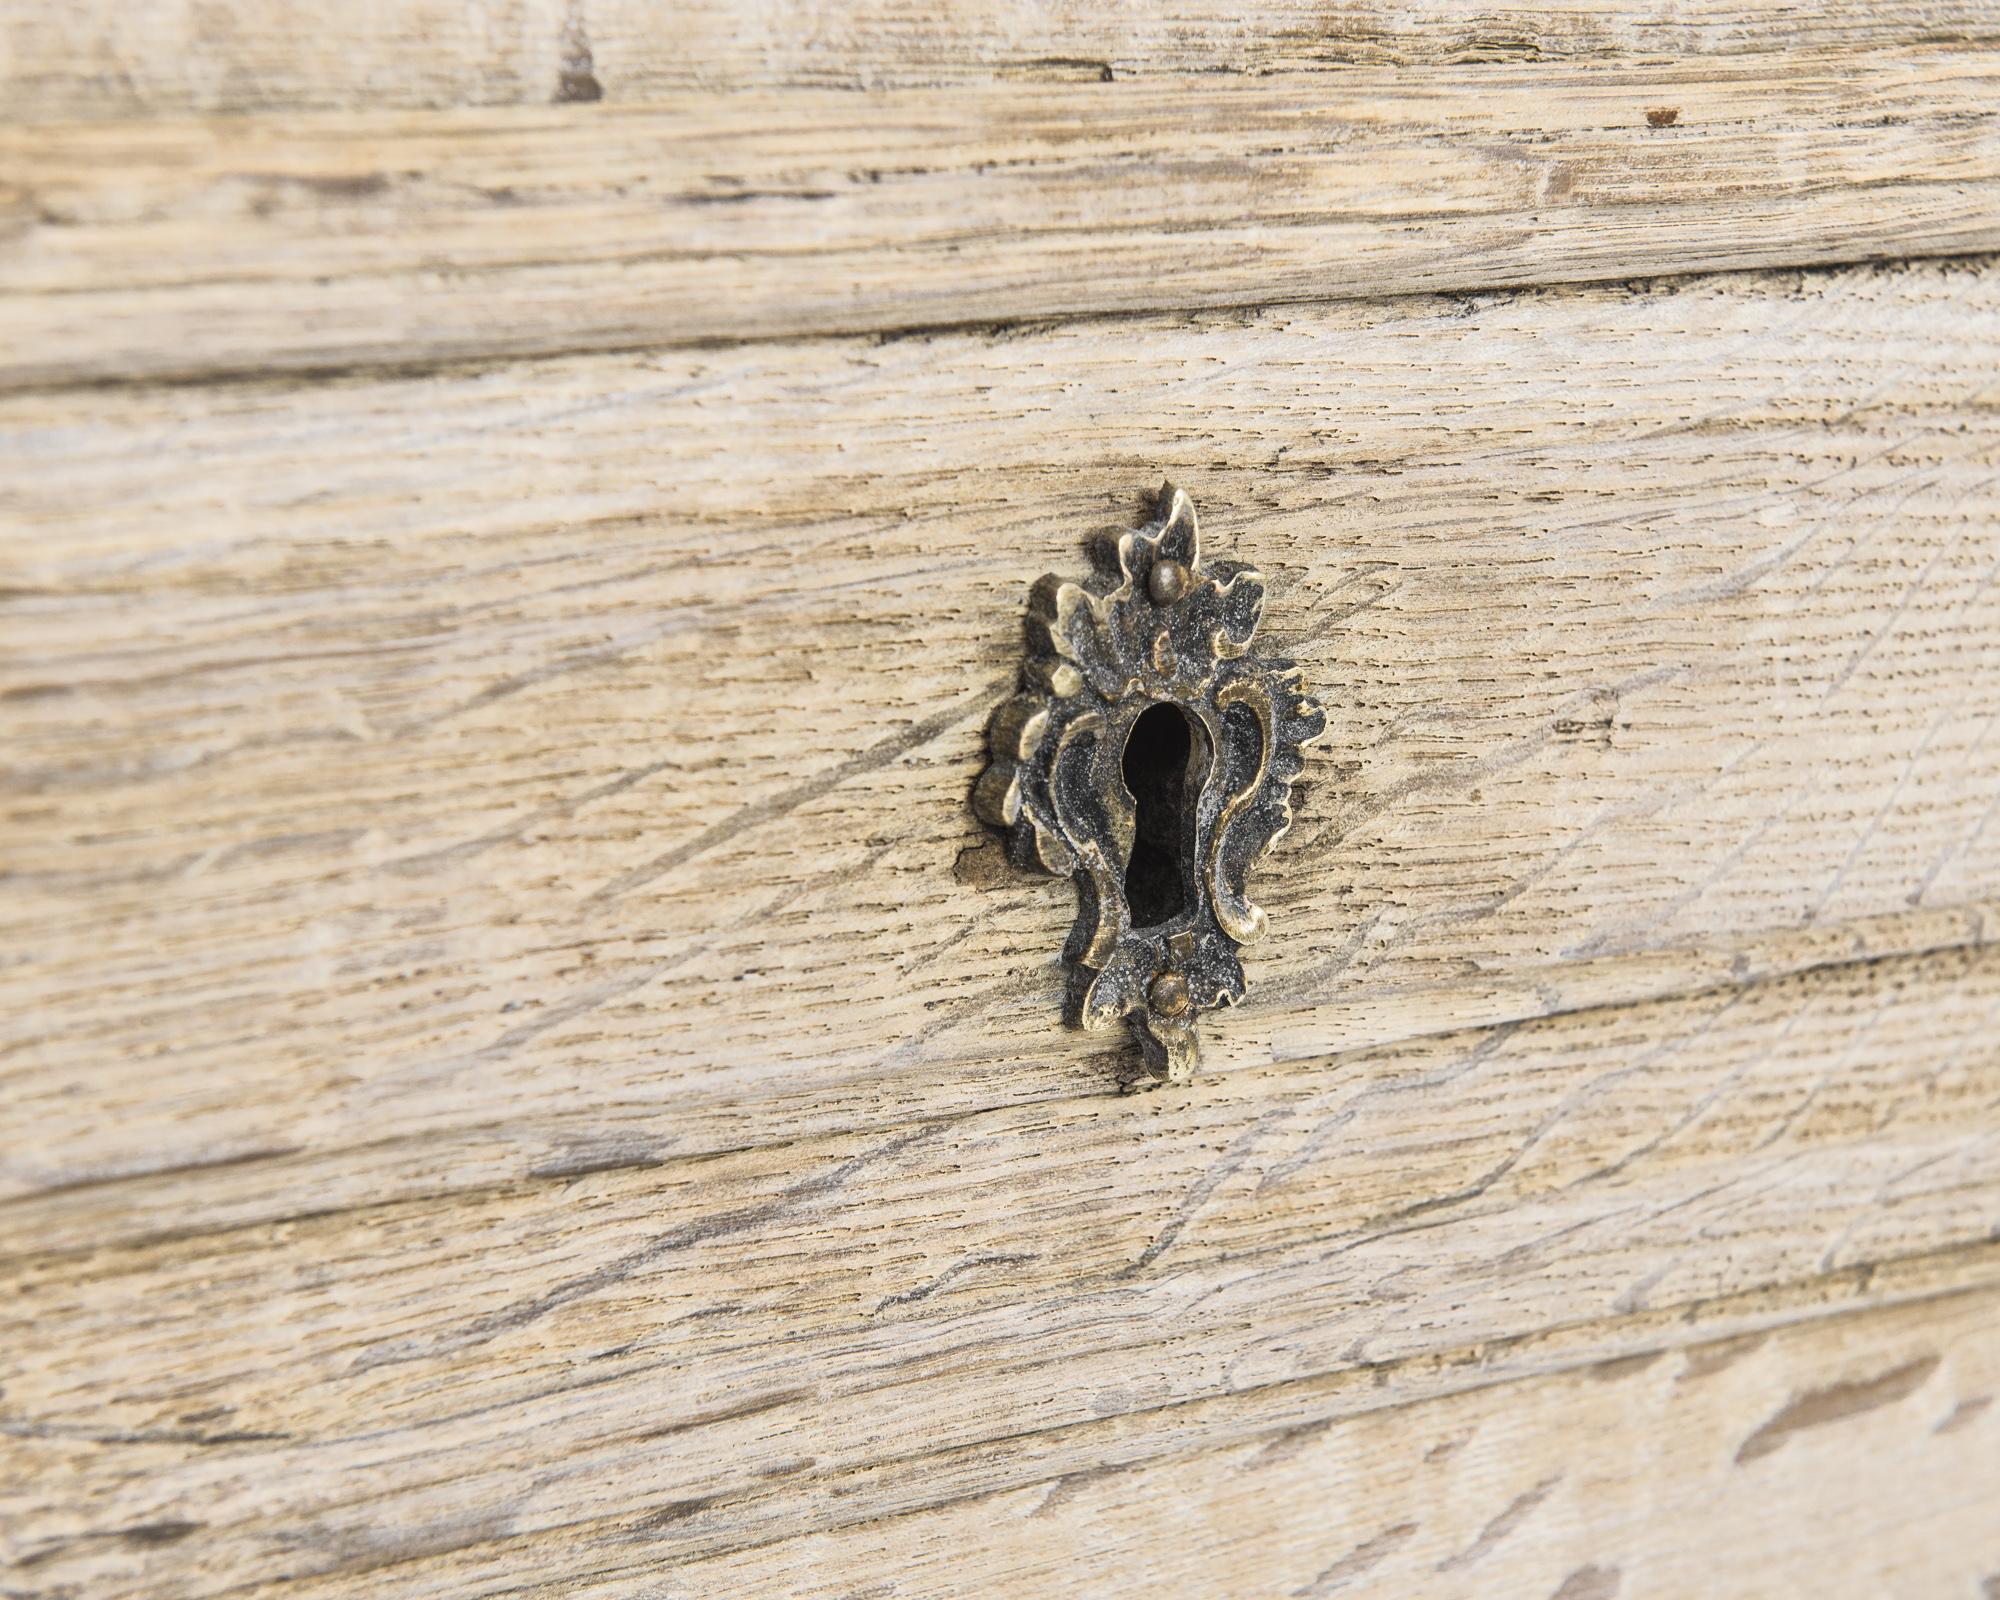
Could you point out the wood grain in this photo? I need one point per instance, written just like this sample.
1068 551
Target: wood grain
186 249
603 1374
64 60
1874 1462
413 785
707 1355
522 1074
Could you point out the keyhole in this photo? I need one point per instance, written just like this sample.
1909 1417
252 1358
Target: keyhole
1156 771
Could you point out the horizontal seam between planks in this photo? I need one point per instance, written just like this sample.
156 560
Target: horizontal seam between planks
1807 1315
530 1183
292 374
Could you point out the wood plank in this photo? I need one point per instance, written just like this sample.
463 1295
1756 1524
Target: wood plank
1854 1458
415 785
191 248
604 1374
75 60
880 44
84 60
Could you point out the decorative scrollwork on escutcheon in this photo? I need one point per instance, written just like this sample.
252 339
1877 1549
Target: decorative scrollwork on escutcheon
1150 756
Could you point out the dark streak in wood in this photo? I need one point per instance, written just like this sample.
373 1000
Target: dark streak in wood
1706 1360
523 1313
1836 1402
1964 1414
1515 1513
759 812
750 1408
950 1275
1625 1366
1369 1553
1218 1173
1590 1583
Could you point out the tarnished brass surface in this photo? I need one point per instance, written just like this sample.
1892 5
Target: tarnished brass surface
1160 873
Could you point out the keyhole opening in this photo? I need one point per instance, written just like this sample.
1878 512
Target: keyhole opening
1156 760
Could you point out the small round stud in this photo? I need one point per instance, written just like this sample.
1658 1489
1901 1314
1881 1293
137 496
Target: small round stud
1168 582
1169 994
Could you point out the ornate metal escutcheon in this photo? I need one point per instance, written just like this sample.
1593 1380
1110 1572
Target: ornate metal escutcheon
1150 756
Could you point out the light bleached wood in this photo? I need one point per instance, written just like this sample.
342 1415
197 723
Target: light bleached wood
190 248
1854 1459
601 1376
522 1075
415 785
84 59
896 43
467 1151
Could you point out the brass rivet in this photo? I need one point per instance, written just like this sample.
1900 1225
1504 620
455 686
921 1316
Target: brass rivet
1170 994
1169 581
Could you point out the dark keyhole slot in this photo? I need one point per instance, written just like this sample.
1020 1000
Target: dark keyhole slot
1156 771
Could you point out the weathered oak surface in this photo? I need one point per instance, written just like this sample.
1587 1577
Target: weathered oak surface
184 249
1860 1457
103 59
472 776
612 1369
519 1074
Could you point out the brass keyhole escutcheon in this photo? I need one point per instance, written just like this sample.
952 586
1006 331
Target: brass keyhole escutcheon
1149 756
